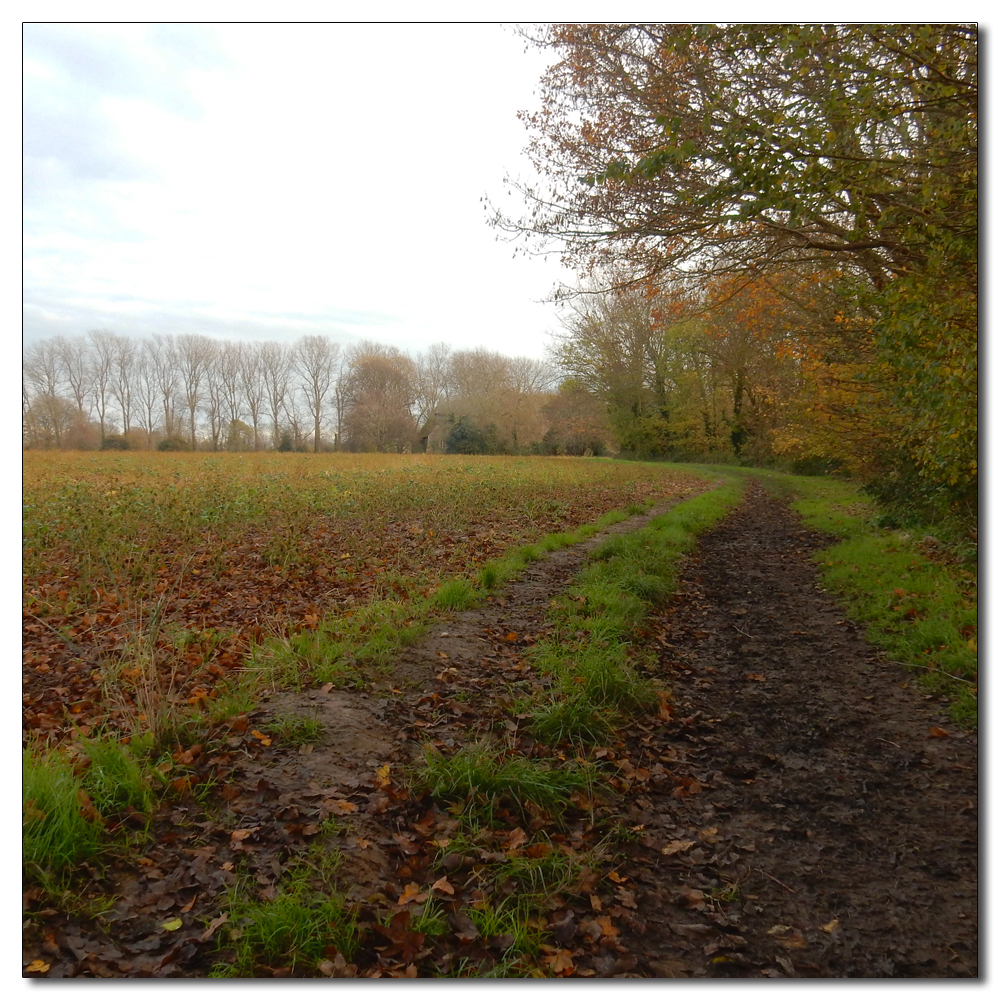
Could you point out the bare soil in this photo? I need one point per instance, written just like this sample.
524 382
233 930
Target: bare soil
803 812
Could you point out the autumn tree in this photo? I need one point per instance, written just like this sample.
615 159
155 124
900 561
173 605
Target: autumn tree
491 389
687 152
378 399
577 420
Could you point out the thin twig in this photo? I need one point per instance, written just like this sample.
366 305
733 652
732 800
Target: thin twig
896 745
773 879
937 670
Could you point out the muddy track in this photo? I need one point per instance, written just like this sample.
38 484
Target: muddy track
800 815
474 654
835 829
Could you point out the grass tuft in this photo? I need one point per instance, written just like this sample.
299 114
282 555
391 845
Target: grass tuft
456 595
485 778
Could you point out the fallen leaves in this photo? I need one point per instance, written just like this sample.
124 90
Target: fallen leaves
676 846
558 960
338 807
412 894
786 936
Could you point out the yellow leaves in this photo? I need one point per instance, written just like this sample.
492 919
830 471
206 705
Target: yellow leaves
258 735
382 776
172 925
38 965
831 926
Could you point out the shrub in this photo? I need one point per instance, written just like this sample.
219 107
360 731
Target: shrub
173 444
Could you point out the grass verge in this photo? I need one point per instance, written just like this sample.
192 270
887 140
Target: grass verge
917 596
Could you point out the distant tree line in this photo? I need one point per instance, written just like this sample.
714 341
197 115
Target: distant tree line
194 392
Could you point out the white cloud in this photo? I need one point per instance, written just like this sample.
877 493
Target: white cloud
268 180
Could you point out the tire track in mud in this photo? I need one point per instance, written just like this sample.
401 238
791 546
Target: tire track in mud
834 832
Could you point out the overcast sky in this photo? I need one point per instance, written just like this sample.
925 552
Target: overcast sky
265 181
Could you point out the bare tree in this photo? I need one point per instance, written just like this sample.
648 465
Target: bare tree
252 386
229 365
146 390
164 363
213 403
275 373
102 366
42 372
74 355
314 359
124 350
432 381
194 357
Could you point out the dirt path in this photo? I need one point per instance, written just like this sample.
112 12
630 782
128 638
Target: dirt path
795 817
831 800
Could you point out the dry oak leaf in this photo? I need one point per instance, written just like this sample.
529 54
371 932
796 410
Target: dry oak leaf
443 885
676 846
339 807
831 926
516 838
937 732
561 962
238 835
214 926
87 809
789 937
412 894
32 814
542 850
